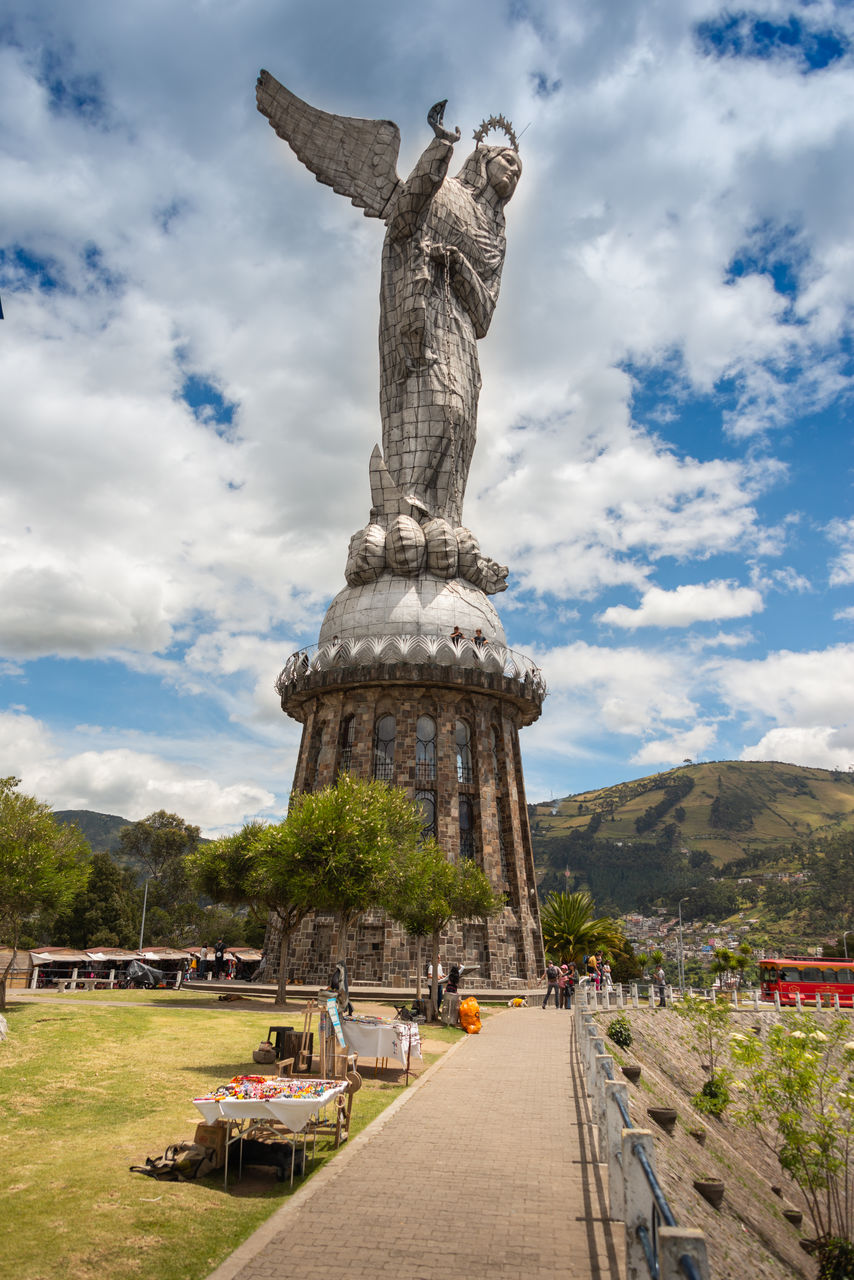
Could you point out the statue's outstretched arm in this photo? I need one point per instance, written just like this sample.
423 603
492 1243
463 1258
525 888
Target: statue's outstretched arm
426 178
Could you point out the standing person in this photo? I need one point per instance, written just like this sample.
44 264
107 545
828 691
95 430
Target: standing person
551 975
660 982
571 978
563 978
606 976
440 990
203 962
219 957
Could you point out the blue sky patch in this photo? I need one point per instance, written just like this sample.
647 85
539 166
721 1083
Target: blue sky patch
70 94
208 403
746 35
22 269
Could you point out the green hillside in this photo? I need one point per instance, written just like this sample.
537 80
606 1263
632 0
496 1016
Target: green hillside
100 829
728 808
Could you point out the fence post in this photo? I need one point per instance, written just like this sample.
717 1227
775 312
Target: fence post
606 999
34 979
712 996
637 1199
620 1002
651 996
755 1001
777 1001
673 1244
614 1147
635 1000
818 1002
597 1047
836 1001
798 1001
600 1102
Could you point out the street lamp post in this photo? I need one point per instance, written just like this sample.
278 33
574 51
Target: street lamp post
681 950
144 904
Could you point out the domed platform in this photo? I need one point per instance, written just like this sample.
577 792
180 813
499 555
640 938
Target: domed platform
423 606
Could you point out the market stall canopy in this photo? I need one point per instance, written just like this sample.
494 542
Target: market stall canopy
246 954
59 955
162 953
115 955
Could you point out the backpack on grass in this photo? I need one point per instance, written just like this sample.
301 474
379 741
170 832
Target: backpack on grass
182 1162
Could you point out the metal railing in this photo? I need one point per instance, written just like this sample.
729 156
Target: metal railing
655 1243
440 650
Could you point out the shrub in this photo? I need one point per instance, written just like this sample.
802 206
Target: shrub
713 1098
795 1090
620 1031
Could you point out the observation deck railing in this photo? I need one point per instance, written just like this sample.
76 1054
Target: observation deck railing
367 651
655 1244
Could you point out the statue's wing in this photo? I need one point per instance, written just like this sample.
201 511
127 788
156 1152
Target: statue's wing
356 158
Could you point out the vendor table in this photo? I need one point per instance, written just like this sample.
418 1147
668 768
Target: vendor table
250 1117
382 1040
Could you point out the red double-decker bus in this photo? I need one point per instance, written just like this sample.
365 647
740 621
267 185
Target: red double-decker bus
811 977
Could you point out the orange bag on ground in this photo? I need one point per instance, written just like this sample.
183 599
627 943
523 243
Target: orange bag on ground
470 1015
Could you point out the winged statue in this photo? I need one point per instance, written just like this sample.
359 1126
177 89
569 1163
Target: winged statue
441 271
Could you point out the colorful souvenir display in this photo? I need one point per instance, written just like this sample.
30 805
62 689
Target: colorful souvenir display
266 1088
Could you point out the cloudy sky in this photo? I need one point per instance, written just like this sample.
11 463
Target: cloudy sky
189 380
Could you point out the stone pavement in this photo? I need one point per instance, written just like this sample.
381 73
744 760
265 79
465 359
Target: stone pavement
485 1168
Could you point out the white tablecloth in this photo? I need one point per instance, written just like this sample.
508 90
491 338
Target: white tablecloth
385 1040
293 1113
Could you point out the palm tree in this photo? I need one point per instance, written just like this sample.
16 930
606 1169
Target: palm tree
570 931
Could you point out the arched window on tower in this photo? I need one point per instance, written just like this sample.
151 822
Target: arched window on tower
466 827
348 732
465 773
426 801
384 735
425 749
499 799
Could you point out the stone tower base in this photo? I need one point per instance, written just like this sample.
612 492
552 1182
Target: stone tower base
441 720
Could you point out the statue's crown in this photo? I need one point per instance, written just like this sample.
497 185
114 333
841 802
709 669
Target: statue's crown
496 122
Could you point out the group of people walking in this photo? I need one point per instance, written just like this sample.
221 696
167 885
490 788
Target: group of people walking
562 979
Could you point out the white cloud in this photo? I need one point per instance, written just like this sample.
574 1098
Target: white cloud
803 690
187 240
676 748
821 746
130 783
690 603
842 566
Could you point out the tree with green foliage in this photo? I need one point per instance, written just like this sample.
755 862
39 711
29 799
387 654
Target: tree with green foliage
344 838
570 930
255 868
332 853
795 1091
424 891
158 841
105 912
710 1022
42 865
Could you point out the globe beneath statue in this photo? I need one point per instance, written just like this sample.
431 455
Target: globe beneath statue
422 606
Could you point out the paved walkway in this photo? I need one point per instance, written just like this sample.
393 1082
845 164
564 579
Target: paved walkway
483 1169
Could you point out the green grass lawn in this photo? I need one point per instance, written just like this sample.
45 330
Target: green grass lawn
91 1087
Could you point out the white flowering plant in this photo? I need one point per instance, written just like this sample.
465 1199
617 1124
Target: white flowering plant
796 1089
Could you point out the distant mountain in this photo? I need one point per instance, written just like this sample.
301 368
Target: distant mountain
102 832
728 808
100 829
